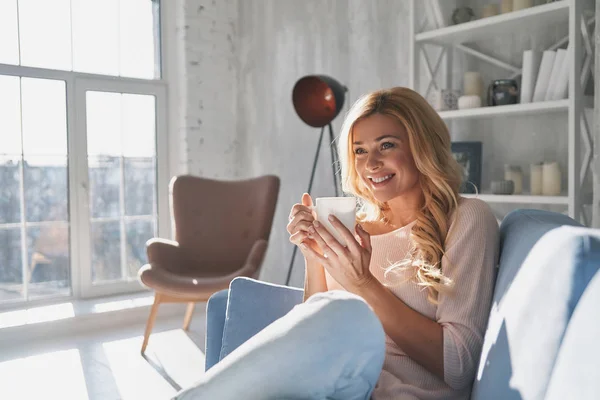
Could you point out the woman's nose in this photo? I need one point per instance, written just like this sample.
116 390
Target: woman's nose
374 163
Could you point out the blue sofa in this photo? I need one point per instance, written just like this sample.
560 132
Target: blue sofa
543 334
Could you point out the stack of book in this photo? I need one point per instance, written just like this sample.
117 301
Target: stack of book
545 75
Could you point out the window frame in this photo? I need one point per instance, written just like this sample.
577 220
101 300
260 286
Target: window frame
76 84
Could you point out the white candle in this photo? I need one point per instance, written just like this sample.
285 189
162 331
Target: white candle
536 179
472 84
551 179
521 4
489 10
506 6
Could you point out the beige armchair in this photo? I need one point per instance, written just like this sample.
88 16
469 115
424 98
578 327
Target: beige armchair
221 232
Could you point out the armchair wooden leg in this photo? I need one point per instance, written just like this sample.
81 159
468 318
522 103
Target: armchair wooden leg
188 316
151 319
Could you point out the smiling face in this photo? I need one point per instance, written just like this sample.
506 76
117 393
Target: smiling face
383 159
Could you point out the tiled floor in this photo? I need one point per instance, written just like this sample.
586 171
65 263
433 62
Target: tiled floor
106 364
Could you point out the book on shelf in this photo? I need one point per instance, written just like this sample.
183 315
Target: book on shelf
531 66
559 60
561 85
543 78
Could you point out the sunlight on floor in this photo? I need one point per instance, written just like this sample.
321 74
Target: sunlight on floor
172 356
37 314
44 376
123 304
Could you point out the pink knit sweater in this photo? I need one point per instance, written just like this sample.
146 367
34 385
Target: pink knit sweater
472 249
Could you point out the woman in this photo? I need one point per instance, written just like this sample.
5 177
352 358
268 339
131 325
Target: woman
423 259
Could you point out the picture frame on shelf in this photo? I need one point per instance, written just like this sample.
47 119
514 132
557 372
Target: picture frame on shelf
468 156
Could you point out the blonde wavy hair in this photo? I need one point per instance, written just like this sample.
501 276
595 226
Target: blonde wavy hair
440 179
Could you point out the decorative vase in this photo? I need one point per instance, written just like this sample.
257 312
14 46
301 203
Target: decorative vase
502 187
536 171
551 179
514 173
446 99
460 15
502 92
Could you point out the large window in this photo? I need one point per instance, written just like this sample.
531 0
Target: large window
82 133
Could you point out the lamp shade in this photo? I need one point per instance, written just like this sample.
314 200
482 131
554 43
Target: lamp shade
318 99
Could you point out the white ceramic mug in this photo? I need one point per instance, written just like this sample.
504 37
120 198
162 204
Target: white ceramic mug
344 208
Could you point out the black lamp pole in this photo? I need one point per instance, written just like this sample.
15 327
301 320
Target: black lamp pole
310 183
318 99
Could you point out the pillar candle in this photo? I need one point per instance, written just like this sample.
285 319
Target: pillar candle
472 84
551 179
536 179
521 4
489 10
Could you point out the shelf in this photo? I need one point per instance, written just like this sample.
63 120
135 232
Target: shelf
491 27
517 198
512 110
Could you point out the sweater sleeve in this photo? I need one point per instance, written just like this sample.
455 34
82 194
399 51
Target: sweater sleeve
470 262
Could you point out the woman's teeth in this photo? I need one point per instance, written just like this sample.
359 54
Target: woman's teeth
379 180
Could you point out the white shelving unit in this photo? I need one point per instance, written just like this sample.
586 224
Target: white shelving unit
520 199
457 37
511 110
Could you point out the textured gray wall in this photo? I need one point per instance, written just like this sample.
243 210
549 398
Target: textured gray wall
232 82
201 66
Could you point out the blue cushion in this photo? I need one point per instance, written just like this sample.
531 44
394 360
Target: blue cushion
544 269
215 323
252 305
519 232
576 372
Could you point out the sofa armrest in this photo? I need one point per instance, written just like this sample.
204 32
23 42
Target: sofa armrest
251 306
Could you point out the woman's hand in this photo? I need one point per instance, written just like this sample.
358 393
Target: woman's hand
301 219
348 265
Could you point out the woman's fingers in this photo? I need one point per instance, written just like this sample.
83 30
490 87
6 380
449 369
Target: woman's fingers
299 208
365 238
328 240
351 242
310 252
298 237
302 220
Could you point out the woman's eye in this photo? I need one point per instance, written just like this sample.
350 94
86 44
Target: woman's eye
387 145
359 151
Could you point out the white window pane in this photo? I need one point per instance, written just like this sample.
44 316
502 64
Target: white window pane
137 39
49 259
103 111
106 251
44 117
10 111
96 36
45 33
11 273
9 44
138 125
138 233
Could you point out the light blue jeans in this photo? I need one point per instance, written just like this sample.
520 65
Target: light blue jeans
330 347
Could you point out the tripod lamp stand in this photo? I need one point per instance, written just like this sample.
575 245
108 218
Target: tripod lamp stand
318 99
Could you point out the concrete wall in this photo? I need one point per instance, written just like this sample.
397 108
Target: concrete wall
240 63
201 66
